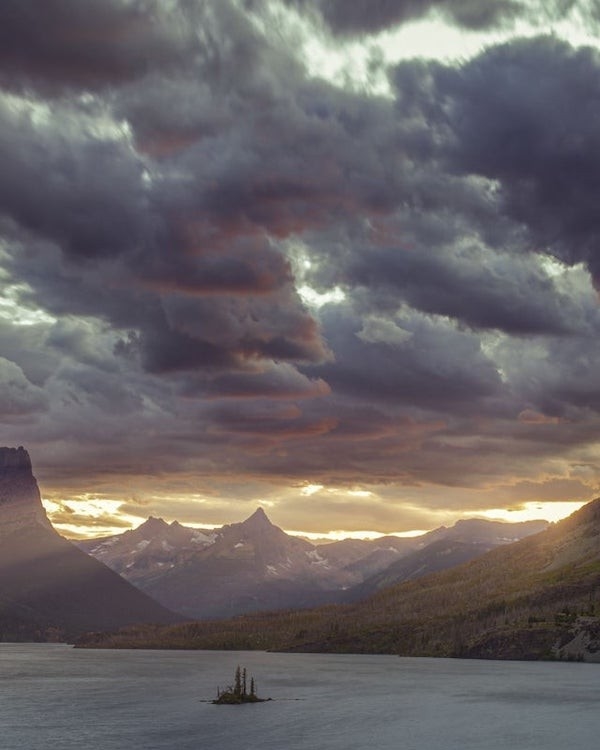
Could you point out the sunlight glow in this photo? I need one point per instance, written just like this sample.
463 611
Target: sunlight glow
361 64
88 516
311 489
339 534
12 310
533 511
312 298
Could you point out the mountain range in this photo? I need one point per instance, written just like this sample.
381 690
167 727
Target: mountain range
50 589
255 566
536 598
477 589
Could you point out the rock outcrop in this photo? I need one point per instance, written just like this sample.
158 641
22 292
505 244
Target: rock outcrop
50 589
20 501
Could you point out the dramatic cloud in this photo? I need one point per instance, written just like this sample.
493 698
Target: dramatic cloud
524 114
370 16
62 43
230 276
363 17
19 397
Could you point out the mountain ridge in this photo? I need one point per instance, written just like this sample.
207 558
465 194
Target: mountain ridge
254 565
537 598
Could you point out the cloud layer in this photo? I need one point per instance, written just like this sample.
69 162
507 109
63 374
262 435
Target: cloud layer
177 191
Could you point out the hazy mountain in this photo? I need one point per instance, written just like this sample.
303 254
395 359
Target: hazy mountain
439 555
247 566
49 589
241 567
491 533
360 558
254 565
444 548
535 598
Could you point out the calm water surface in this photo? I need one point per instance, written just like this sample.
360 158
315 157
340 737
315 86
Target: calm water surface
53 696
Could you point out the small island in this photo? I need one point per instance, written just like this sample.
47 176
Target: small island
239 693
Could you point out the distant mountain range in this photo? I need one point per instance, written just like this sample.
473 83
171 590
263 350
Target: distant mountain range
535 598
255 566
478 589
49 589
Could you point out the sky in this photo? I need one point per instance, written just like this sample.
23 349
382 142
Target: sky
336 258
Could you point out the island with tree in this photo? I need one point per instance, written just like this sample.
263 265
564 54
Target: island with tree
239 692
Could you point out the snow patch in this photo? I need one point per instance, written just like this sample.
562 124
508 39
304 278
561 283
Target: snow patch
103 547
200 538
316 559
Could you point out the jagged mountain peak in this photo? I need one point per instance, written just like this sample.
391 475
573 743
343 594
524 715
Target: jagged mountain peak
153 525
257 521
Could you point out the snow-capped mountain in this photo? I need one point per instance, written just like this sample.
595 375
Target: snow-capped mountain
255 566
149 549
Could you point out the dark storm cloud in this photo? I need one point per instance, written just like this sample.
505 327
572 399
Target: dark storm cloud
53 44
158 240
470 285
525 114
557 377
291 160
63 180
275 381
271 423
133 251
412 361
19 398
185 180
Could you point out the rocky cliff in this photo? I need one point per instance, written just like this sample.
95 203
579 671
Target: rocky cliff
20 501
50 589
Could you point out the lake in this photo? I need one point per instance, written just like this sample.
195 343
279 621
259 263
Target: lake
54 696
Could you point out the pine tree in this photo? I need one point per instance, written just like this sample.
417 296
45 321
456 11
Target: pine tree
238 693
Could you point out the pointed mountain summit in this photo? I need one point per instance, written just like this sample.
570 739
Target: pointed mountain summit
151 527
247 566
50 589
258 521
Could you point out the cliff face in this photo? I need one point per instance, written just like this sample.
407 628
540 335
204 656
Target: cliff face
50 589
20 501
